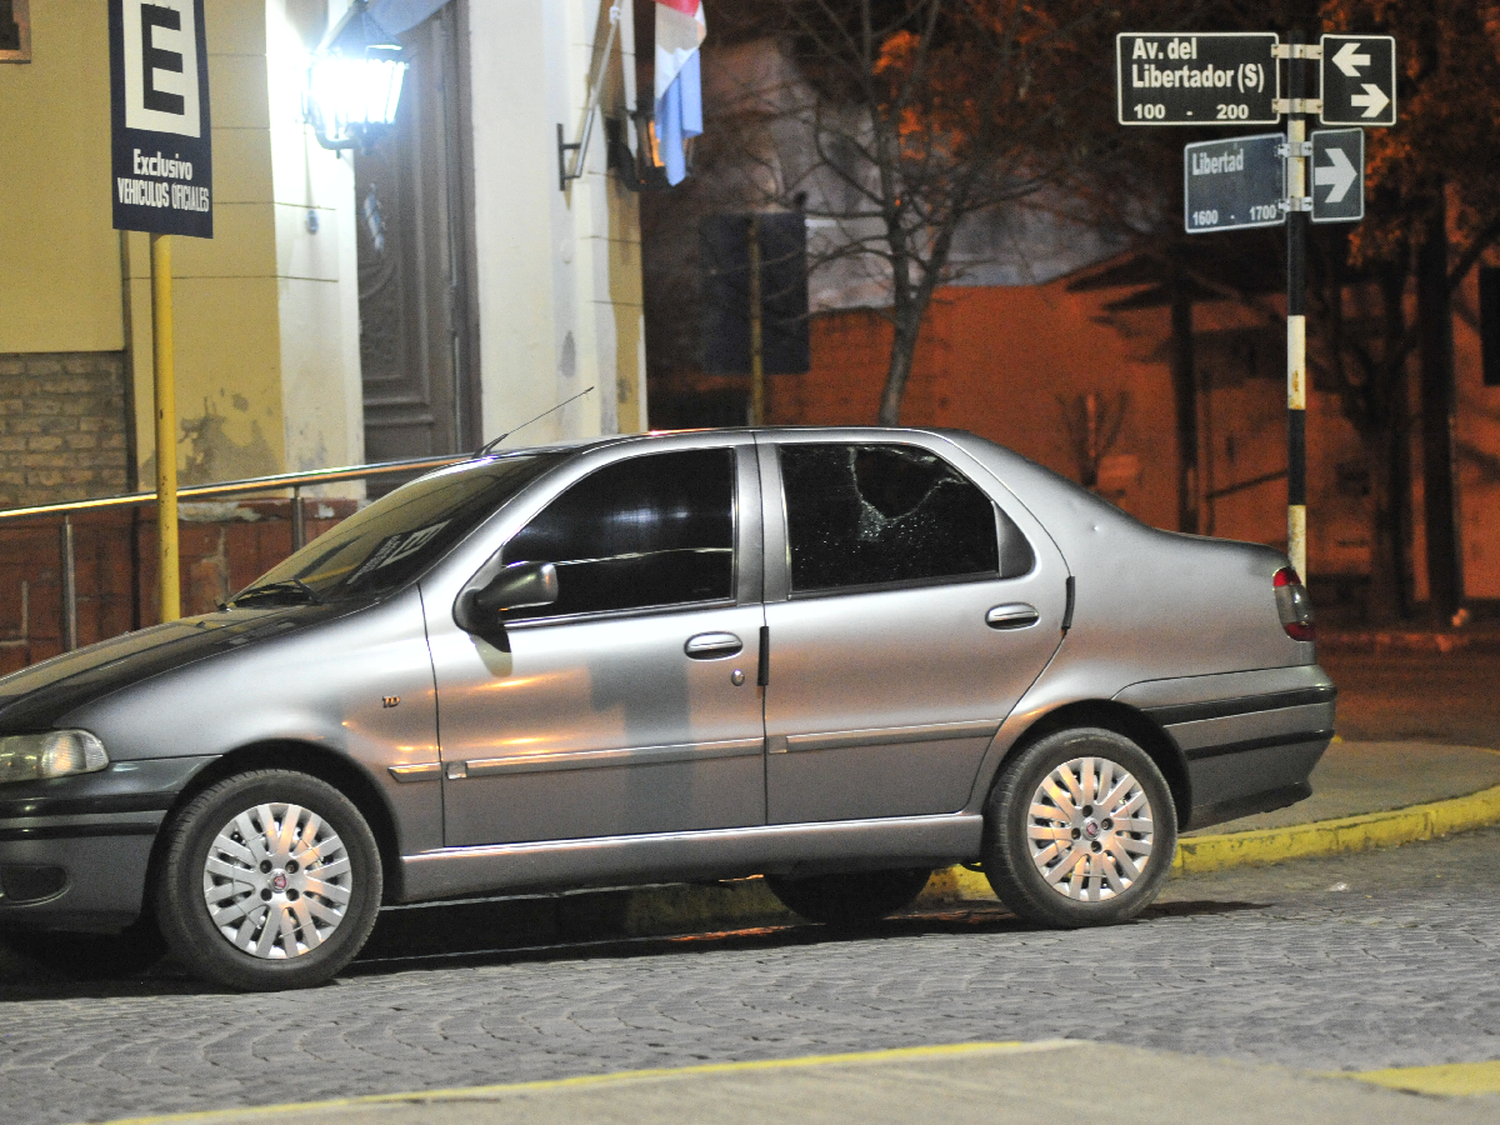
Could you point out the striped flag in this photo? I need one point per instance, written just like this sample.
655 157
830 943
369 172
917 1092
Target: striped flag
680 30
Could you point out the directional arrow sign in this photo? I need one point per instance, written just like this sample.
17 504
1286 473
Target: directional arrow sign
1350 59
1188 78
1338 175
1359 80
1233 184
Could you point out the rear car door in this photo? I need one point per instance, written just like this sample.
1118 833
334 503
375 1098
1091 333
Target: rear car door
629 705
907 613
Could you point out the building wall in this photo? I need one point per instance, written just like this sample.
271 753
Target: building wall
60 269
62 426
1477 440
559 290
1015 365
1030 366
266 318
266 312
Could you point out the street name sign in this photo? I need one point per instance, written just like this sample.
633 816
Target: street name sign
1233 184
1338 175
1188 78
1359 80
162 178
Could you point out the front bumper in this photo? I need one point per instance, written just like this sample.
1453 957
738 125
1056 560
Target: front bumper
74 851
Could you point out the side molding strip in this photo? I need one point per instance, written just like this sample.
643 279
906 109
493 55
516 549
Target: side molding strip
710 854
887 736
417 771
544 762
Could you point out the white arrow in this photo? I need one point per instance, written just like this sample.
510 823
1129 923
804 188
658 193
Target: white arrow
1350 59
1373 100
1339 175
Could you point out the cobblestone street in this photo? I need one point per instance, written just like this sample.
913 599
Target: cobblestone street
1378 959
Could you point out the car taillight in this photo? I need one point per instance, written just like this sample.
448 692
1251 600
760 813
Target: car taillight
1293 605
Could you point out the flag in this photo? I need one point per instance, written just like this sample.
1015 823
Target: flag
680 30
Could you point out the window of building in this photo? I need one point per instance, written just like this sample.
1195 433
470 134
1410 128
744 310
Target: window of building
15 31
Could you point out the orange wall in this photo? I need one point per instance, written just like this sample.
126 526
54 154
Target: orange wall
1011 363
1005 363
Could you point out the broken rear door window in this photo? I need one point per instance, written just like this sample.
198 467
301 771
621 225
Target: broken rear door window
877 515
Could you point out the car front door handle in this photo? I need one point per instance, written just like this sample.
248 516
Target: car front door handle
1016 615
713 646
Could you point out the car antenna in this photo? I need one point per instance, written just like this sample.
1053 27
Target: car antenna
489 445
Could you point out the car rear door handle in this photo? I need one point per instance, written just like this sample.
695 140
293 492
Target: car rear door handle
712 646
1016 615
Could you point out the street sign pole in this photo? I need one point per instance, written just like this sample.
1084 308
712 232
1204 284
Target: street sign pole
164 384
757 329
161 182
1296 314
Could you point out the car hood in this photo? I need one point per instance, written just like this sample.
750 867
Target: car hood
35 697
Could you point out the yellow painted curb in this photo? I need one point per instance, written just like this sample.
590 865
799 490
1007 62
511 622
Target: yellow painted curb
1330 837
1446 1080
475 1093
1197 854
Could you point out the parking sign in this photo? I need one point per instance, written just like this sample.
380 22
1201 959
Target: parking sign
162 167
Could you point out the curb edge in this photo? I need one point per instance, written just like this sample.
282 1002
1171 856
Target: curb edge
1197 854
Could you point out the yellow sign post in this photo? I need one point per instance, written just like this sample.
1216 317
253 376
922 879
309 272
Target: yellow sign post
164 384
161 160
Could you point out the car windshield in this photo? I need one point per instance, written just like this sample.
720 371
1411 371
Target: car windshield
382 547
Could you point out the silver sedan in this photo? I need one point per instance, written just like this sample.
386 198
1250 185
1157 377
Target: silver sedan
838 658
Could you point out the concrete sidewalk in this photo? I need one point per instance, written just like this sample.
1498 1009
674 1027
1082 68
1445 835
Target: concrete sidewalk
994 1083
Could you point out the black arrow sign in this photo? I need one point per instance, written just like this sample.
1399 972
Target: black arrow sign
1359 80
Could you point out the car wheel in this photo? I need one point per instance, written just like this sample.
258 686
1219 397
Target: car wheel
271 879
851 900
1079 830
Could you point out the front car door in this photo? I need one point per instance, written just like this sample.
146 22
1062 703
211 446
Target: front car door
908 611
630 705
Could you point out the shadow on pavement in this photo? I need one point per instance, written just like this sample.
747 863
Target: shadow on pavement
491 932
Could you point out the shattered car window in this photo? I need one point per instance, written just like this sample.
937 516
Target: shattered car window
869 515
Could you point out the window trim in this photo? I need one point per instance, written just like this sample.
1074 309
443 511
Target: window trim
907 584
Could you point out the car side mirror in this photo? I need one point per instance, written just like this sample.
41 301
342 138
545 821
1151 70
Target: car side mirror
494 592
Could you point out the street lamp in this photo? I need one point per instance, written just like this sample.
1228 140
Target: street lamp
354 82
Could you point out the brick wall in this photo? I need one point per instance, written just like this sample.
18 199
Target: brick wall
62 427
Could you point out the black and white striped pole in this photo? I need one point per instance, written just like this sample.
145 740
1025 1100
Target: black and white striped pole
1299 203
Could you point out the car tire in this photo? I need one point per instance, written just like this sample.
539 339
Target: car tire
1060 854
848 901
270 879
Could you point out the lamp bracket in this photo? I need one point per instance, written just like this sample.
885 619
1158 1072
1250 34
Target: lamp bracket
565 172
563 148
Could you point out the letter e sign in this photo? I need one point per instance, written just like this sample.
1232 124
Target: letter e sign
161 66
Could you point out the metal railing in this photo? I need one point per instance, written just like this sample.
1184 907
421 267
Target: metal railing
281 482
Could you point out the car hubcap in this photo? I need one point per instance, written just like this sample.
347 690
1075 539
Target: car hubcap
277 881
1090 829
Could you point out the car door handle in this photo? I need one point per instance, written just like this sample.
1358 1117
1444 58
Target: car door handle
712 646
1016 615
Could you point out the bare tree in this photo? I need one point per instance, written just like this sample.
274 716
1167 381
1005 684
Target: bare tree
889 123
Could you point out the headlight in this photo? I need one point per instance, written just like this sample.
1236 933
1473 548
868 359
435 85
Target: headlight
57 753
